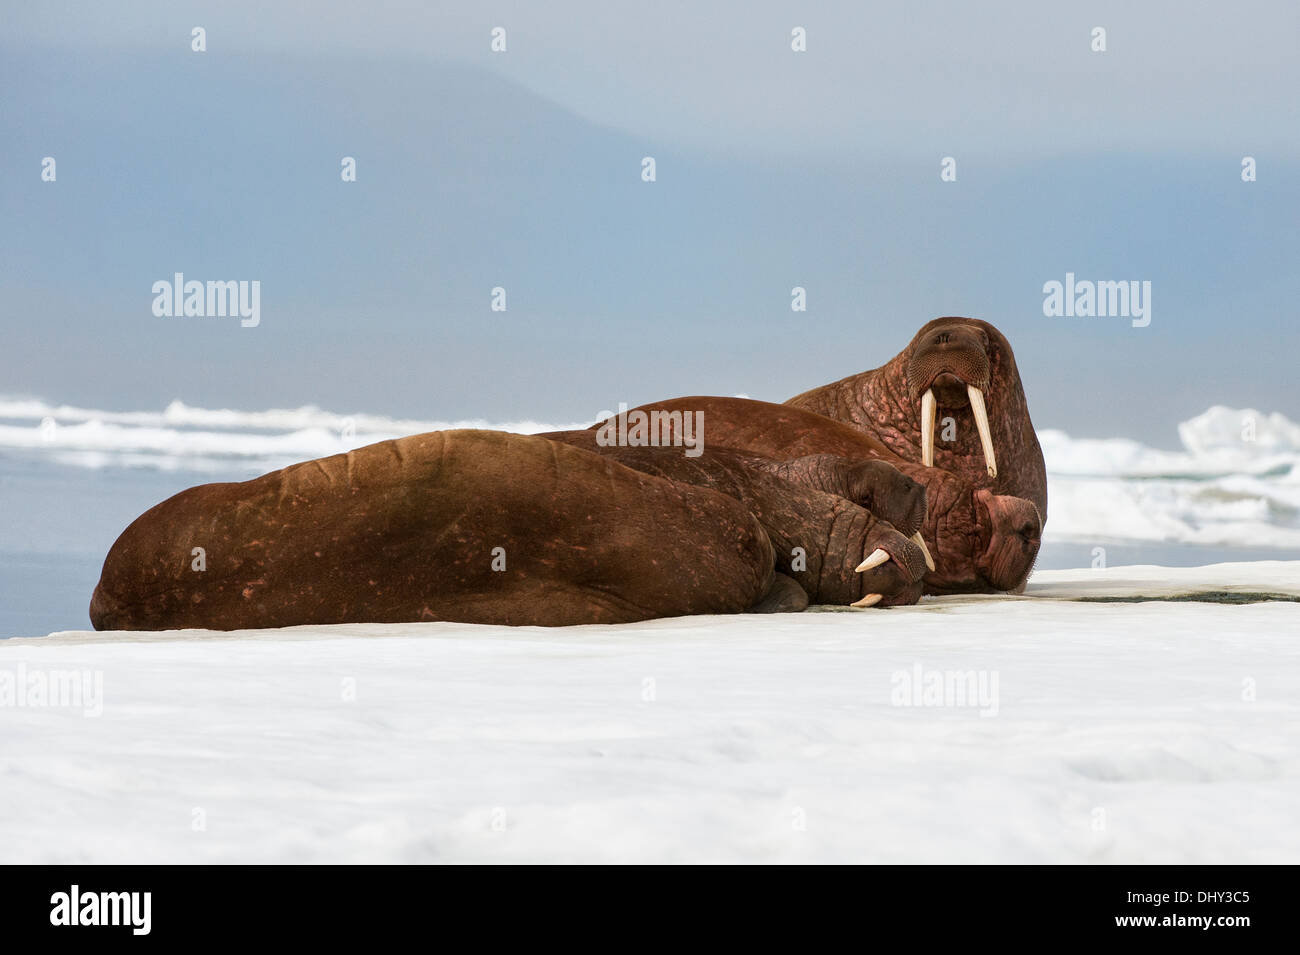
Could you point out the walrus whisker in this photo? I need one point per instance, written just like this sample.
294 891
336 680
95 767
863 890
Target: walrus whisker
875 559
927 428
982 424
870 600
919 541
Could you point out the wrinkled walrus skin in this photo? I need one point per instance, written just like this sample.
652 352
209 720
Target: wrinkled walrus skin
405 530
981 542
810 510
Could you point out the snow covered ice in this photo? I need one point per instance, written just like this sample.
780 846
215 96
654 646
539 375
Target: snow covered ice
1119 732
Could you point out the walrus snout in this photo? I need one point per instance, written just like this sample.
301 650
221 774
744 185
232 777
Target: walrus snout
947 357
1013 529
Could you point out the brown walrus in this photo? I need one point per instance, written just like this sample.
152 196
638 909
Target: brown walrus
981 542
958 368
837 511
489 527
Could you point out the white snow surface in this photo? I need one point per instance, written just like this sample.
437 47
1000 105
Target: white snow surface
1118 733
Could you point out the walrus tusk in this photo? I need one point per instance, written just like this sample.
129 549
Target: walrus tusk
927 428
919 541
875 559
870 600
982 423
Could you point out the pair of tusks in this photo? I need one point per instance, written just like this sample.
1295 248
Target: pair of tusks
928 410
880 556
981 423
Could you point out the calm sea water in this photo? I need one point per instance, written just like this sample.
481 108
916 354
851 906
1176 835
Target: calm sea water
56 525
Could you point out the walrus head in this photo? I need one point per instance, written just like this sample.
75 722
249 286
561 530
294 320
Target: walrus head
875 485
1010 532
983 541
961 366
951 399
948 364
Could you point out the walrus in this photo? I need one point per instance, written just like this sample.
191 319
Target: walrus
816 506
981 541
955 367
490 527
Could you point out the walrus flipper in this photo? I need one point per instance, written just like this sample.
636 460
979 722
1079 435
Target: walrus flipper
784 596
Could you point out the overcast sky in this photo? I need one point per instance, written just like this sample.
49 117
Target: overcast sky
522 169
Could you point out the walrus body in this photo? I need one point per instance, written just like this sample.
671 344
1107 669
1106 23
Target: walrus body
405 530
982 542
489 527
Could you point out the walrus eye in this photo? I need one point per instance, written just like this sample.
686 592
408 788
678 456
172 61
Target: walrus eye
1026 533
